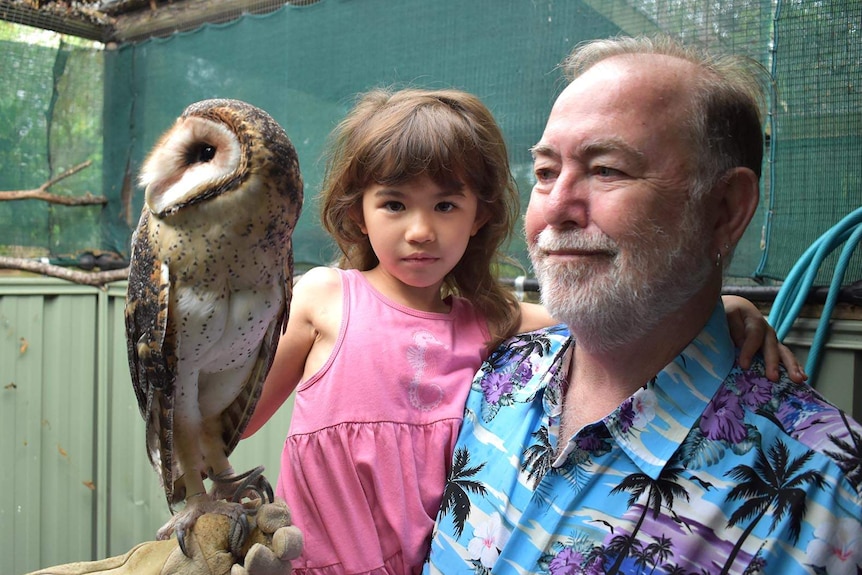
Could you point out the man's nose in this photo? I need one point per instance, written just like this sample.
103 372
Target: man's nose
567 204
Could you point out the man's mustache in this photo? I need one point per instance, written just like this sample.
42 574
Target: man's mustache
551 240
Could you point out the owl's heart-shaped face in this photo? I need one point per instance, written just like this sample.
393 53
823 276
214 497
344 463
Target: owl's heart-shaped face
195 155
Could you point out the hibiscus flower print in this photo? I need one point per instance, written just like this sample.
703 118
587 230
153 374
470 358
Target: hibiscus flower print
754 390
488 539
635 412
643 407
837 547
495 385
723 418
625 416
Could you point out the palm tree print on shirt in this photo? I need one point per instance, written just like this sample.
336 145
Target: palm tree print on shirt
776 483
659 492
455 495
849 456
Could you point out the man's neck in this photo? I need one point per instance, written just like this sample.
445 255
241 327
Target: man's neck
600 380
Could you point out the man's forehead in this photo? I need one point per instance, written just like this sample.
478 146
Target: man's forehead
623 88
650 75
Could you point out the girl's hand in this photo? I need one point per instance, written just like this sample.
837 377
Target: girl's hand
750 332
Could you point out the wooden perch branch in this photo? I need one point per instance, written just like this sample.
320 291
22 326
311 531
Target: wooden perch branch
86 278
41 193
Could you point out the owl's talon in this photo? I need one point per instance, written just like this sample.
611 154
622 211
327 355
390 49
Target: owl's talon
251 481
181 541
257 484
183 523
239 531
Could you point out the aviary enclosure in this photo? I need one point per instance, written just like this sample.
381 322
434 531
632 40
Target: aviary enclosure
87 87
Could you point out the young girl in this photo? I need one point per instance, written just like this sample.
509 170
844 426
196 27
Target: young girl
419 197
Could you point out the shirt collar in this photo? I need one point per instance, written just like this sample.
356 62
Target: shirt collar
652 423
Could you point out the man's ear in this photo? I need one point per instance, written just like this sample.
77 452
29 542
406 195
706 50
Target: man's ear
736 197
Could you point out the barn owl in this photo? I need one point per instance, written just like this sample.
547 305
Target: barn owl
208 297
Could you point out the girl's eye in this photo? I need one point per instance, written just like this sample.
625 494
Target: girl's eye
445 207
393 206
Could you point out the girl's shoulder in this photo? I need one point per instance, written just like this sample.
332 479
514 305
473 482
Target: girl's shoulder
319 277
318 284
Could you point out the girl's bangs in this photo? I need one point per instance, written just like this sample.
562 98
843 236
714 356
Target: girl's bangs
439 146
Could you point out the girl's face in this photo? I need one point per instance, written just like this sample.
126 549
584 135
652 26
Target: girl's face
418 230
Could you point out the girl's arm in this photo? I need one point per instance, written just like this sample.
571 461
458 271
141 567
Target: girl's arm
748 329
534 316
316 292
751 332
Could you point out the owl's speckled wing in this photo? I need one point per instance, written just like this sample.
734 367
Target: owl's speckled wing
151 349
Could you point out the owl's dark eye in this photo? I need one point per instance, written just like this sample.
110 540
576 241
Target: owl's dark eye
200 154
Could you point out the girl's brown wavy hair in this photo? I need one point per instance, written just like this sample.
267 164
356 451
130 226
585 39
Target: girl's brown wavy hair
394 136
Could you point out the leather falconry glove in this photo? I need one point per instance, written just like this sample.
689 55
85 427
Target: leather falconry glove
272 543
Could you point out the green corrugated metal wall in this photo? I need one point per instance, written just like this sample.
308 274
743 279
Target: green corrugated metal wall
47 417
80 486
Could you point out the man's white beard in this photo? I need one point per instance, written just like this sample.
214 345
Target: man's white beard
618 298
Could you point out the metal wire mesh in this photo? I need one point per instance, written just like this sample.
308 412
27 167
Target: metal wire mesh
304 64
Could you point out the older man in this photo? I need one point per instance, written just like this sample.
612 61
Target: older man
630 439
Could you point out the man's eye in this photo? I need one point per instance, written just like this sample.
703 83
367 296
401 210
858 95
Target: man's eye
606 172
543 174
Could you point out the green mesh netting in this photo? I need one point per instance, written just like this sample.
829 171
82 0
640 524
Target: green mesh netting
817 155
305 65
50 122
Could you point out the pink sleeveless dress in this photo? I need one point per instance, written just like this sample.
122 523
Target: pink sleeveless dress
372 433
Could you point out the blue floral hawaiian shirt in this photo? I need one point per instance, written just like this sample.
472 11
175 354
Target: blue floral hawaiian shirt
707 469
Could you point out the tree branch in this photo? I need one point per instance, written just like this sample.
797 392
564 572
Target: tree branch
97 279
41 193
